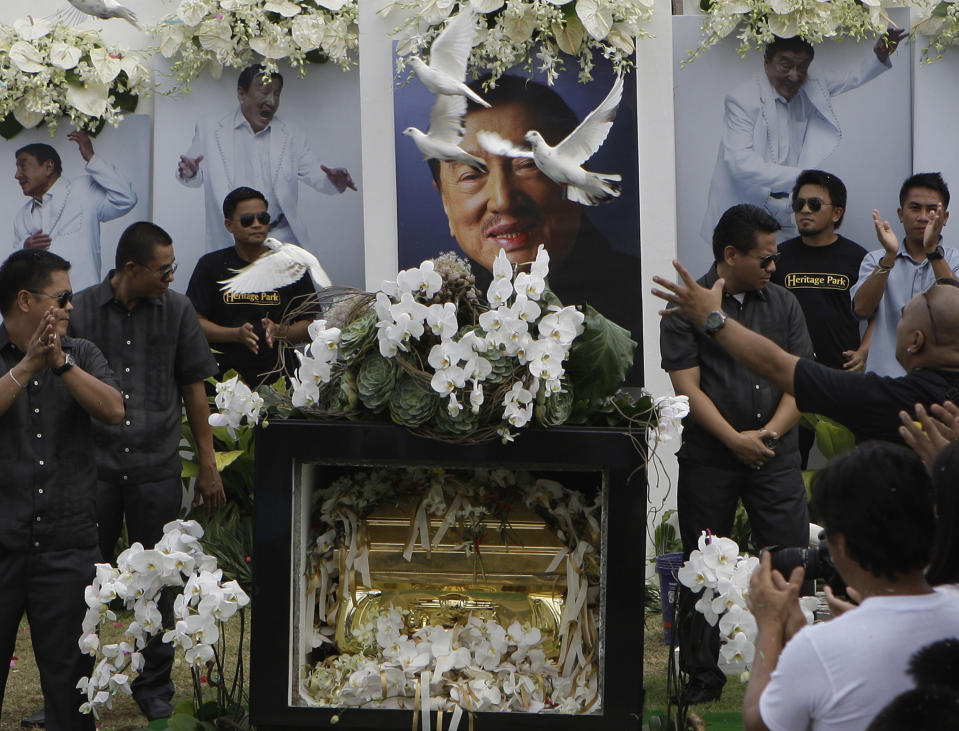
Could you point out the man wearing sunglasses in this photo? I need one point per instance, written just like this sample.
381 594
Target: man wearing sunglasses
739 441
53 387
819 267
253 147
152 340
246 328
891 276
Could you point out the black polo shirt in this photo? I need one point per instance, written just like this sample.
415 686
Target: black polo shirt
866 403
48 495
154 349
744 399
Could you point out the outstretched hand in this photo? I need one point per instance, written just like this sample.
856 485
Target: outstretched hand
933 432
888 42
885 234
692 300
83 142
340 177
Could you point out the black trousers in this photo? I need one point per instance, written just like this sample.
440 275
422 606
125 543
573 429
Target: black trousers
707 497
147 507
49 587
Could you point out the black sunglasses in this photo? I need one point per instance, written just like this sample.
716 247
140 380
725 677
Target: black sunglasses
765 261
166 273
246 220
814 204
63 299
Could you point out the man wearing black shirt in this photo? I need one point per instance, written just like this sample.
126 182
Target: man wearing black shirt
245 328
51 388
739 441
927 347
819 267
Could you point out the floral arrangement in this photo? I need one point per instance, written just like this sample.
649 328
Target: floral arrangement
439 358
526 31
722 575
201 608
759 20
49 70
213 34
939 22
476 664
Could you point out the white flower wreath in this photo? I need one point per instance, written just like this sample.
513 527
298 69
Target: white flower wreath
208 35
48 71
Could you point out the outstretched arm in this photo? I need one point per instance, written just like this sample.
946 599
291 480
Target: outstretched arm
759 354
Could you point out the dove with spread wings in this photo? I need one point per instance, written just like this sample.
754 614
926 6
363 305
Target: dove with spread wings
284 264
104 9
445 77
563 164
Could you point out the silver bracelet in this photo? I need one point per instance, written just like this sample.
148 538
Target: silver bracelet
14 378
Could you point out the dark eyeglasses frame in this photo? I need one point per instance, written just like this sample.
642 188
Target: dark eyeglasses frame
945 281
765 261
166 273
815 204
63 299
246 220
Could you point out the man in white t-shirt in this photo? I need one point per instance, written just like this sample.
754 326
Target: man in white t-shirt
876 504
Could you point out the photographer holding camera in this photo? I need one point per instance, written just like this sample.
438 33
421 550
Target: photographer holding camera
876 504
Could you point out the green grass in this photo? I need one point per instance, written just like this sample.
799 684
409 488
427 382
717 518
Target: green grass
23 696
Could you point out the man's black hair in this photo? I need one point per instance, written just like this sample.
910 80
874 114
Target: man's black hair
247 75
27 269
794 44
138 243
933 181
879 497
237 196
836 188
936 664
42 152
738 227
944 565
929 708
556 119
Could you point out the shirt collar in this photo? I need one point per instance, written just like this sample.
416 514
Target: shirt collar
45 198
104 294
241 122
904 252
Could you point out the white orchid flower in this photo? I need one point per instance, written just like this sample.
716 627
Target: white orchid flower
740 620
705 606
721 555
308 31
562 325
199 655
441 319
546 359
736 655
695 574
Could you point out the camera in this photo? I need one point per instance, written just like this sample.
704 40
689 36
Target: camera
817 562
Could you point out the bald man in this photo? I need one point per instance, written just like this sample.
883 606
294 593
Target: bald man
927 347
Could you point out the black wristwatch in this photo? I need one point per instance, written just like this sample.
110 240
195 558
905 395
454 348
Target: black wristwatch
68 363
937 254
715 321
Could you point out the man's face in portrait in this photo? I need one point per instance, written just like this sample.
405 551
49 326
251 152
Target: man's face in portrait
260 102
787 70
810 222
35 178
512 207
917 205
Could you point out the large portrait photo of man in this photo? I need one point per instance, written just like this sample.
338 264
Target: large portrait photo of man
512 205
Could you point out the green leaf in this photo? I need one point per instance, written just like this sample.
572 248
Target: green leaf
833 438
941 10
182 722
188 468
10 127
126 101
225 459
600 357
208 711
184 707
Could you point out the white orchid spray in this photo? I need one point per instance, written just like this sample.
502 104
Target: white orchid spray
209 35
50 70
755 23
717 569
544 33
236 403
203 604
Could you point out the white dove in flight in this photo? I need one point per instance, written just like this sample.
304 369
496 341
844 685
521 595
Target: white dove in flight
563 163
284 264
445 133
104 9
449 53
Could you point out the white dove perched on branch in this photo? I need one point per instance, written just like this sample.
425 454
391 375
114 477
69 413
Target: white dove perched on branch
563 163
284 264
449 54
104 9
